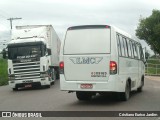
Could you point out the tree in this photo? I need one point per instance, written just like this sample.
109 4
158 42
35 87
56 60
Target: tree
4 53
149 30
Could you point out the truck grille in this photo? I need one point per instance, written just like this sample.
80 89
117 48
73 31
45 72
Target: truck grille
26 71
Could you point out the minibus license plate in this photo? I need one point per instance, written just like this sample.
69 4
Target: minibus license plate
86 86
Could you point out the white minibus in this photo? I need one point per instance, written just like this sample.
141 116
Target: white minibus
101 59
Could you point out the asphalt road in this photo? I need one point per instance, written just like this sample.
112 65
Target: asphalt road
53 99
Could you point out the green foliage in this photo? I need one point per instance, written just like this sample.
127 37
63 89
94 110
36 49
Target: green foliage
155 57
149 30
153 71
3 72
153 61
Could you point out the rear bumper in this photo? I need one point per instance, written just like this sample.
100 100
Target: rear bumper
112 85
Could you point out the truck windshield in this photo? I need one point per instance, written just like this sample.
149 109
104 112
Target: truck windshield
22 52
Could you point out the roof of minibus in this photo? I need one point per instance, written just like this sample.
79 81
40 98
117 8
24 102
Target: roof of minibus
105 26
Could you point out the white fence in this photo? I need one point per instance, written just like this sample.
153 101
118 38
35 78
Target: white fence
152 68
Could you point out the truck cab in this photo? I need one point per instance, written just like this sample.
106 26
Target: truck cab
30 58
28 63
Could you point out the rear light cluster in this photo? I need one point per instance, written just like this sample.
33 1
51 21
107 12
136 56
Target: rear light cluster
113 67
61 66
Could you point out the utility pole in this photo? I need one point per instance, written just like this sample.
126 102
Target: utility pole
11 19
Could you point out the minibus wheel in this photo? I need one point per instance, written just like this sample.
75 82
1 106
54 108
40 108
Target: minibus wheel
82 96
141 87
125 95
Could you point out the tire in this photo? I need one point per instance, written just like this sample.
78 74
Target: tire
84 96
140 89
125 95
57 74
52 83
15 89
53 77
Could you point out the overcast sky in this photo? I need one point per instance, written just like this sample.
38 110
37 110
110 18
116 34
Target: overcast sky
123 14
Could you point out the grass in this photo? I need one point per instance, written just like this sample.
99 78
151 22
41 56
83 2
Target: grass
153 71
3 72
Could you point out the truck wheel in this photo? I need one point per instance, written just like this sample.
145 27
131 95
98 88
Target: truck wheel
53 79
15 89
54 76
125 95
57 74
83 96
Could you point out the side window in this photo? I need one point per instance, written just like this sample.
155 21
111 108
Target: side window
125 47
138 51
141 53
122 46
129 48
132 51
135 50
118 45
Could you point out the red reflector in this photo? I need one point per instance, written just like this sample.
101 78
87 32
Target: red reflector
61 65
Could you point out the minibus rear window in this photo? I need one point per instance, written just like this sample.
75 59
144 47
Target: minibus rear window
87 41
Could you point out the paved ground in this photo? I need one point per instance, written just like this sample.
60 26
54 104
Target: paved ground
55 100
153 77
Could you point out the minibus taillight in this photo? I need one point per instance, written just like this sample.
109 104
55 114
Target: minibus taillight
113 67
61 66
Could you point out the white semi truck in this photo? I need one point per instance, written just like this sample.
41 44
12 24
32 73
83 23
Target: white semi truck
33 56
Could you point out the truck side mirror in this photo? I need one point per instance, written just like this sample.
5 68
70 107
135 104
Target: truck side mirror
4 52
